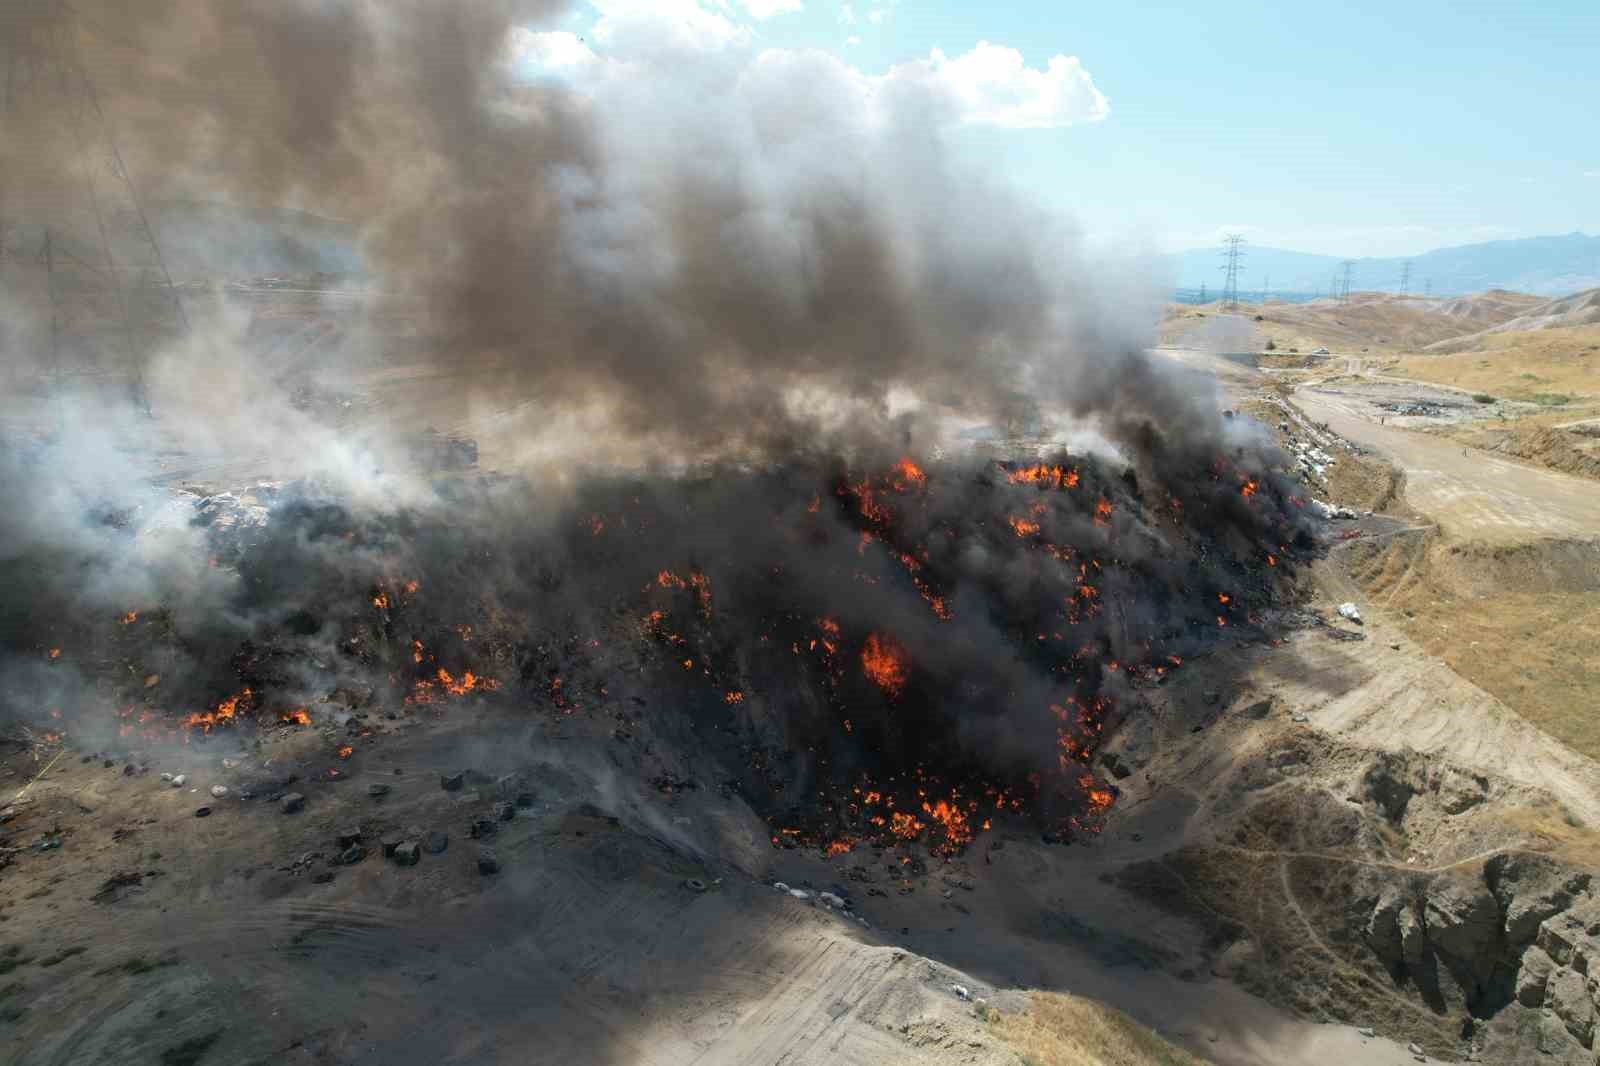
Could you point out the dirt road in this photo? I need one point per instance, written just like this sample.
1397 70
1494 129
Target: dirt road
1471 494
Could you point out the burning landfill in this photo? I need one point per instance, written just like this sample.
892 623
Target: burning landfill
735 492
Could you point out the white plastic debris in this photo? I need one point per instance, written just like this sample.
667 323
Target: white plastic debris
1333 510
831 900
961 992
1350 611
166 778
799 893
219 791
779 886
1367 1030
179 780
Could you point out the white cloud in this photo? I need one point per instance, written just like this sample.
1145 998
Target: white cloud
993 86
1591 173
847 14
645 27
765 9
551 53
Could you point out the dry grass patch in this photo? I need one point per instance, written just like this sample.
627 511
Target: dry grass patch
1522 623
1535 366
1065 1030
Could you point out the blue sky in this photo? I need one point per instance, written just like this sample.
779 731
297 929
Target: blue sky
1357 128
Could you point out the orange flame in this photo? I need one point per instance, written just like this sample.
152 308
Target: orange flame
883 661
1248 489
225 711
910 473
735 696
298 716
55 653
1022 527
346 751
129 618
1062 477
381 601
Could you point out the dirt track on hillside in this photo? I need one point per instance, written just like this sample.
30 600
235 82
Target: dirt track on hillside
1471 494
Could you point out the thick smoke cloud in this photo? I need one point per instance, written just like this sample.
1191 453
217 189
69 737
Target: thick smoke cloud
751 261
735 254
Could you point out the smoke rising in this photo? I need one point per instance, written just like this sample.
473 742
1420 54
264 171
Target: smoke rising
756 268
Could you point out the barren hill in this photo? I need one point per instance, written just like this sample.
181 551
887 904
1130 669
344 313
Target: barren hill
1579 309
1368 320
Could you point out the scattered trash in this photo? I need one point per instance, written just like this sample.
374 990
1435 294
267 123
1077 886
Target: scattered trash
407 853
800 893
1300 716
202 812
1367 1030
1351 612
179 780
832 900
961 992
352 855
166 779
779 886
1333 510
292 803
218 791
694 884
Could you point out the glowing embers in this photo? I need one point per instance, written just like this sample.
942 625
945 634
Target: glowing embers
919 813
884 663
904 478
297 716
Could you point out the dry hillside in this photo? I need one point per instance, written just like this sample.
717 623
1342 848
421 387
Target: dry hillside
1579 309
1370 320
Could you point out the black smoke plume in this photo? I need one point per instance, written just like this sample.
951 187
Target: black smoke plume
714 316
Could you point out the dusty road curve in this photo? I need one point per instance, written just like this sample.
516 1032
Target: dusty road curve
1470 493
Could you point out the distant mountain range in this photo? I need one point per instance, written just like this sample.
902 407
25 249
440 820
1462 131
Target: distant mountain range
1544 266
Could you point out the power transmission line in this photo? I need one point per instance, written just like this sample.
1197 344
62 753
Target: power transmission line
1405 278
111 293
1232 255
1344 286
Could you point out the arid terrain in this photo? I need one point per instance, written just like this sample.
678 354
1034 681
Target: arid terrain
1360 837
